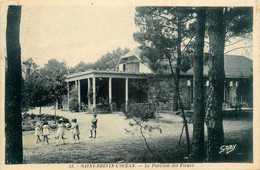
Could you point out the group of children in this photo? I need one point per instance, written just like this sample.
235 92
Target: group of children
42 130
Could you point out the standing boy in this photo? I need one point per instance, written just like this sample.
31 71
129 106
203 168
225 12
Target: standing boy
93 126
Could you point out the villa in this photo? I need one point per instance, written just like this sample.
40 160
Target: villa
116 86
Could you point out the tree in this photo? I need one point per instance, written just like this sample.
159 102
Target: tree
13 116
54 74
28 68
107 61
166 36
223 24
216 83
81 67
198 92
238 22
34 93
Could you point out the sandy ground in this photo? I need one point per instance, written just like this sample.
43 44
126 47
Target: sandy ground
113 129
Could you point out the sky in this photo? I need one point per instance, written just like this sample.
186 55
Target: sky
81 33
74 34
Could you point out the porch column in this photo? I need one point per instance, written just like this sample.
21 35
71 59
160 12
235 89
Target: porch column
110 93
94 92
88 93
126 93
68 95
76 84
79 101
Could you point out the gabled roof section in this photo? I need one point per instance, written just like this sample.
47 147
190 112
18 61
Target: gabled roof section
235 67
135 53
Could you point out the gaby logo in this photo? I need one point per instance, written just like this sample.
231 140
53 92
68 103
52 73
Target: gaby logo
227 148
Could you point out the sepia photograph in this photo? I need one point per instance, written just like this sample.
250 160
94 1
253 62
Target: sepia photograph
95 85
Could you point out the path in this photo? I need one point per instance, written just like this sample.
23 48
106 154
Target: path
111 136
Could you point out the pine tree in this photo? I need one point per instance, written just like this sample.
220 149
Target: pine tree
198 151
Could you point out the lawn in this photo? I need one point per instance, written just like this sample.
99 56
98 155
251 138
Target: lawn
117 141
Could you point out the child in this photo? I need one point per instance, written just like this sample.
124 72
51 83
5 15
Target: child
60 132
93 126
45 131
38 132
75 130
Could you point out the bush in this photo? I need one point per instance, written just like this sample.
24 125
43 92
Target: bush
143 111
25 115
103 108
73 101
32 116
74 106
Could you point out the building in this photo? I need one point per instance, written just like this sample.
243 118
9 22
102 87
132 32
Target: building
117 89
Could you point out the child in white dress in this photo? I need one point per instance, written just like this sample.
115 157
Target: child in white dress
75 130
38 132
45 131
60 132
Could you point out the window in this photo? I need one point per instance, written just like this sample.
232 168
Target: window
132 67
123 67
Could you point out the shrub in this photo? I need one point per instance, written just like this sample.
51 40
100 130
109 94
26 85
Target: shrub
74 106
143 111
103 106
32 116
25 115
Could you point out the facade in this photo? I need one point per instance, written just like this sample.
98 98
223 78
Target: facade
116 88
111 86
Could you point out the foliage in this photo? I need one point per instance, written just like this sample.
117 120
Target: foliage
238 21
160 90
29 120
103 105
54 73
140 111
107 61
73 100
42 86
34 93
81 67
164 31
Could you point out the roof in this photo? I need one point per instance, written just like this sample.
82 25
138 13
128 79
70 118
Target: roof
235 67
134 53
105 74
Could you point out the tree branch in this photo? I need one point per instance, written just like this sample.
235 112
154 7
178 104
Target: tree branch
235 42
144 139
237 49
187 44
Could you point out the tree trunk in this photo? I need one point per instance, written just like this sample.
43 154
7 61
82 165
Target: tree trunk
182 109
40 112
13 117
55 106
185 123
175 95
177 69
216 84
198 151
